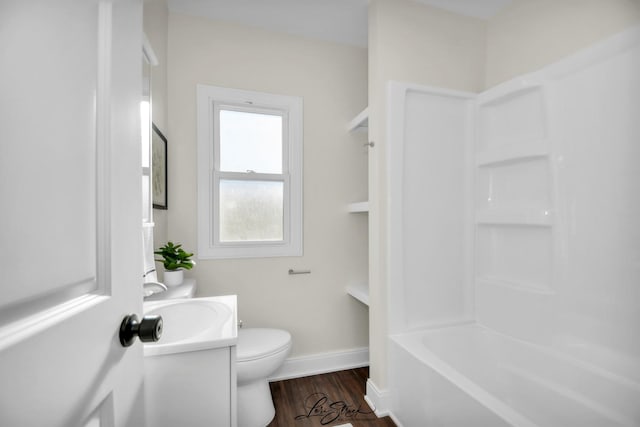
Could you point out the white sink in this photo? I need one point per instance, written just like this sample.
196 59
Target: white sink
193 324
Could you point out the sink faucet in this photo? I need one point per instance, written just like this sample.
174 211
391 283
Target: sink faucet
152 288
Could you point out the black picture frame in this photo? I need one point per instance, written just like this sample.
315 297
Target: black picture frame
159 169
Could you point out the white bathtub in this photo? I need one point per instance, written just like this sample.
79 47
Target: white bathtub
469 375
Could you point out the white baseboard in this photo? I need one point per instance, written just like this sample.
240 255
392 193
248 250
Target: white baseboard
377 399
303 366
395 420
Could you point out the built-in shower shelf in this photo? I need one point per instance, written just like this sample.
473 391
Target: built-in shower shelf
507 92
512 154
359 292
360 122
518 285
359 207
528 217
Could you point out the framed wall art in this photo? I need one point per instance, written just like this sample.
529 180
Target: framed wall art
159 171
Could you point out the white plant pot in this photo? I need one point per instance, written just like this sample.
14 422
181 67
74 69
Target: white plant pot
173 277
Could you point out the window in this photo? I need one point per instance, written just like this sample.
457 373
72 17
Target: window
249 174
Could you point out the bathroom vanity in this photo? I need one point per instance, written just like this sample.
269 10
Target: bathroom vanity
190 374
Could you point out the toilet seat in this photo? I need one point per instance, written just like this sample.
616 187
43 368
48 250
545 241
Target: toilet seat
258 343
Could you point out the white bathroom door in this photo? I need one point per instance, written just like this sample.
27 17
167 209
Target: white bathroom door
70 212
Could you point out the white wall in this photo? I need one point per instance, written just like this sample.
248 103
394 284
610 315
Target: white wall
421 44
332 79
156 17
531 34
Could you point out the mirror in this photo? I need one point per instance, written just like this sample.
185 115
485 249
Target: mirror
148 60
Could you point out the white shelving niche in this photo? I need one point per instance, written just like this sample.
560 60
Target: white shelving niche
514 188
358 207
359 290
360 123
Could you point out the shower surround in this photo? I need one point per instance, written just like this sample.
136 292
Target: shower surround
514 230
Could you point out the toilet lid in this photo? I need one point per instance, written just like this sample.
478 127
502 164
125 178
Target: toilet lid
255 343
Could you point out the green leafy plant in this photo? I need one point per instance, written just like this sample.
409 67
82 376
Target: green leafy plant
174 257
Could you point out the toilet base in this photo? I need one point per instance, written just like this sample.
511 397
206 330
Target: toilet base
255 405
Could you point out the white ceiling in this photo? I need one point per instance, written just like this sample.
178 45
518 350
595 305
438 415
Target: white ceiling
342 21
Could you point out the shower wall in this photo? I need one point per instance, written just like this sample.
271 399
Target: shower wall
552 214
564 273
431 233
514 212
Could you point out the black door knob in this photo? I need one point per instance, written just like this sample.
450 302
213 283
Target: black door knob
149 329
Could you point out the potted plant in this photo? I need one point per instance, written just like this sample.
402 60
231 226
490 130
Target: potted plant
175 261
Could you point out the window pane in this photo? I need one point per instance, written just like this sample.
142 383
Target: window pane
251 211
250 142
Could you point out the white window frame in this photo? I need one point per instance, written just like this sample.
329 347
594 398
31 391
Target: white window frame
210 99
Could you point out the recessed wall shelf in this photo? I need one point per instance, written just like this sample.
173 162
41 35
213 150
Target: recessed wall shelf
514 204
506 93
512 154
359 292
540 289
530 217
360 122
359 207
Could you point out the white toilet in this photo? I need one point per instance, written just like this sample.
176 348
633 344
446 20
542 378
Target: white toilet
259 353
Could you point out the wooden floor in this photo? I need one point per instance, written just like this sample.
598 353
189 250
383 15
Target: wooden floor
325 400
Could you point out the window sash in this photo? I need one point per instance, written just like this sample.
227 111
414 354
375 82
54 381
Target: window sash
240 176
256 109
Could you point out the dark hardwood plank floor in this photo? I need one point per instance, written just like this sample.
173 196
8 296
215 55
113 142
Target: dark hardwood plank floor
325 400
